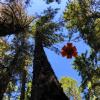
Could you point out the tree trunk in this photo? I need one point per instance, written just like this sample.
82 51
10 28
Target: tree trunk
45 85
22 96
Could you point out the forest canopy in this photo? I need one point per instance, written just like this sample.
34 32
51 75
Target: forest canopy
25 70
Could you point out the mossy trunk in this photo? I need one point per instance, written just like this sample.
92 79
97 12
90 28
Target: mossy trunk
45 85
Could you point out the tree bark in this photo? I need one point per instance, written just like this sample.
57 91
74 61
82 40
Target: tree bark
45 85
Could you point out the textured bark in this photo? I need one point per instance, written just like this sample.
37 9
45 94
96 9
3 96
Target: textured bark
45 85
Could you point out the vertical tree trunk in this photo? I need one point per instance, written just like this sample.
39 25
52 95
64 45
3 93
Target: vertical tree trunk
45 85
22 96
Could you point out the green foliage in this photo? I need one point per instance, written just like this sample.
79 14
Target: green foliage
28 91
3 48
83 16
17 59
89 69
20 49
80 16
70 88
46 28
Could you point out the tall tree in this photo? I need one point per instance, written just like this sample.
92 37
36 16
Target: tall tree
83 16
89 71
15 66
15 21
13 18
45 85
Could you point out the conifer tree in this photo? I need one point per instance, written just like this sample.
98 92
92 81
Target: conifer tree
83 16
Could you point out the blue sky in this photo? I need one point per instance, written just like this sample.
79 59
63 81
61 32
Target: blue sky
62 66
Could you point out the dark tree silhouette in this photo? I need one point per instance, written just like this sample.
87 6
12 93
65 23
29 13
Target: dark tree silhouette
45 85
